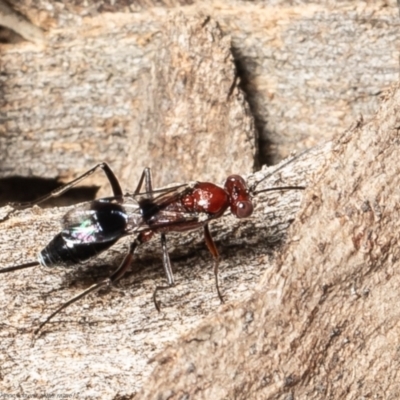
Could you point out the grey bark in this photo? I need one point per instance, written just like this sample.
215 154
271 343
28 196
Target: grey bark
321 320
308 73
166 98
11 19
309 68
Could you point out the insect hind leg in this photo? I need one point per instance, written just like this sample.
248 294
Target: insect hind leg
115 276
115 186
20 266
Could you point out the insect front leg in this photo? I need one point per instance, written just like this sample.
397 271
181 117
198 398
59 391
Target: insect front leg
214 251
115 186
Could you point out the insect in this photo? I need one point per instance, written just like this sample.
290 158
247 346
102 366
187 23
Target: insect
93 227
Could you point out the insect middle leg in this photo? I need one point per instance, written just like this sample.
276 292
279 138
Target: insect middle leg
168 272
168 269
214 252
146 177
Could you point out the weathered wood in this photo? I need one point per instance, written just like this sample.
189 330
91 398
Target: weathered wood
165 97
308 70
101 345
9 18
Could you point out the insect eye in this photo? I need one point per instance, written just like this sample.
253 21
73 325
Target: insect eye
244 209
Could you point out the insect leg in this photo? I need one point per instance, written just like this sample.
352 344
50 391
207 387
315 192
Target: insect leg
146 177
167 269
214 251
252 188
115 186
20 266
116 275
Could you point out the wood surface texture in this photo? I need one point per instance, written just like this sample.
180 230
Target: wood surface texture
198 90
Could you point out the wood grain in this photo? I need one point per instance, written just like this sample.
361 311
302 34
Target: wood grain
117 82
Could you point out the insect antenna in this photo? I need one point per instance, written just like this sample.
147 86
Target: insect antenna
279 188
296 157
20 266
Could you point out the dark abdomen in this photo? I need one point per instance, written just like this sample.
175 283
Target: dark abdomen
59 252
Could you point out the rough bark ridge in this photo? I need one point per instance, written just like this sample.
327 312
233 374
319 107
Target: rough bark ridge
324 322
9 18
165 97
310 68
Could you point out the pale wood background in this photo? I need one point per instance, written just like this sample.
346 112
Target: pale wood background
196 92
